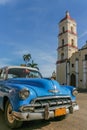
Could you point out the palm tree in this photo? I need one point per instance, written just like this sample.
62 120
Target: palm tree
27 58
33 65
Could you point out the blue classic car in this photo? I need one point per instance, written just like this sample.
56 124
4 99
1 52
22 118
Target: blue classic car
25 96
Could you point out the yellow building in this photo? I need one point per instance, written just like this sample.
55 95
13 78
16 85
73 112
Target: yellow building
71 66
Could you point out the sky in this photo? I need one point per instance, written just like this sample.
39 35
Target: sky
31 26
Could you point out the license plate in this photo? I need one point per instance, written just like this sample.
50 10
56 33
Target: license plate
60 112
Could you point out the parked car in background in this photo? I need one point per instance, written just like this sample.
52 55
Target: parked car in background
25 95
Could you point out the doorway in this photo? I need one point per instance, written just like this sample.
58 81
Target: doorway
73 80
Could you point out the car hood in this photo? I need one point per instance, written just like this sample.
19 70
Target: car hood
42 86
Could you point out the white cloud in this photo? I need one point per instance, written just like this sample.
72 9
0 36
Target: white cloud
48 66
47 69
4 62
4 1
21 52
45 60
82 35
46 56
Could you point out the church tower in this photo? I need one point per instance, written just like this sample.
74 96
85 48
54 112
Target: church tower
67 45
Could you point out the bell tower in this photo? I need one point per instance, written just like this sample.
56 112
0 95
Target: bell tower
67 45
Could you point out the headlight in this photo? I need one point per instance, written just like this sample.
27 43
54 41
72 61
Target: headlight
75 92
24 93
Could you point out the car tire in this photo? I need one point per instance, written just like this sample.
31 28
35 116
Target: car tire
10 121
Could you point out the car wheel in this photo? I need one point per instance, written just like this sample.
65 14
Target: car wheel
10 120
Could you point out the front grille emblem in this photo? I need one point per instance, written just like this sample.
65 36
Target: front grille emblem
54 90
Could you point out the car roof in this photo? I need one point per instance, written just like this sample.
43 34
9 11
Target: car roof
25 67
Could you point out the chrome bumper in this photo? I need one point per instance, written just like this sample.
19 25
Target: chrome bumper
26 116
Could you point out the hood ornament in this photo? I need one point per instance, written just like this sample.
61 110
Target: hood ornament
55 90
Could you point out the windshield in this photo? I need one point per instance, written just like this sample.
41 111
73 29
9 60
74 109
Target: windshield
23 73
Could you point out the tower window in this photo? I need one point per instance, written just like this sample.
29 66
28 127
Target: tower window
72 30
62 56
63 29
62 42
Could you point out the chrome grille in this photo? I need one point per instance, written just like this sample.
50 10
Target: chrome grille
52 102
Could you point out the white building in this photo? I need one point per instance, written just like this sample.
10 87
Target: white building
71 66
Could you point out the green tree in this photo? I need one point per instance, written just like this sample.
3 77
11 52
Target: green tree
33 65
27 58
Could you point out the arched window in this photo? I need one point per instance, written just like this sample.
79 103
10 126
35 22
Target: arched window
62 56
63 29
62 42
72 30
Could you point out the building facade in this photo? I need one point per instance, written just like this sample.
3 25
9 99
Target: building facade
71 65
